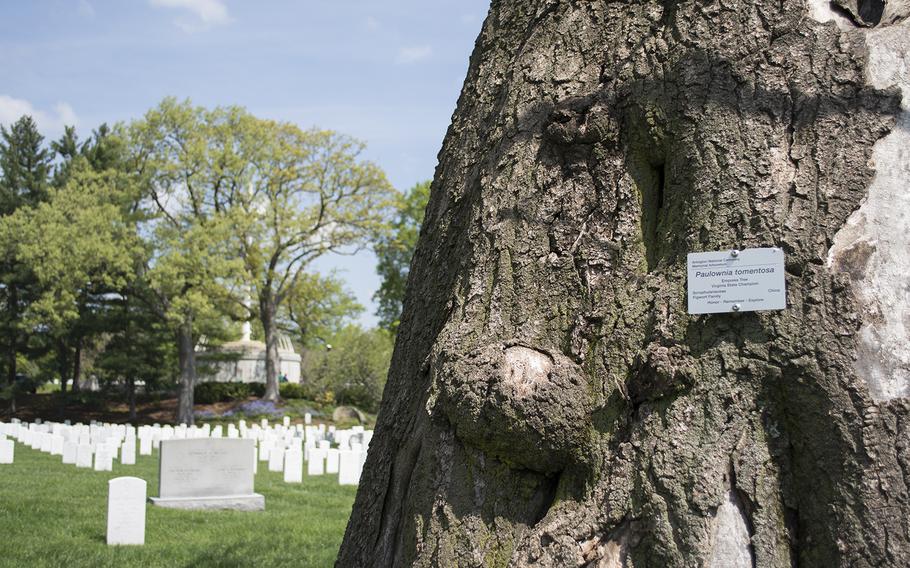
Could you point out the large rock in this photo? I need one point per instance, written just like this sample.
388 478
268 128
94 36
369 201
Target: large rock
348 414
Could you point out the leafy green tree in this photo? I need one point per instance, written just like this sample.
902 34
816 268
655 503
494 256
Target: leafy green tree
25 165
187 182
281 196
139 347
68 242
352 366
66 150
395 250
318 308
80 246
103 152
306 193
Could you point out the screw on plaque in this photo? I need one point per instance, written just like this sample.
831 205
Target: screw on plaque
734 253
736 307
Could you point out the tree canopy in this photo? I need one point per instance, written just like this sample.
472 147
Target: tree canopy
151 235
395 250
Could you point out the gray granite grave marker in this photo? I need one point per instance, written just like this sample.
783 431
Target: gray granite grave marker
207 473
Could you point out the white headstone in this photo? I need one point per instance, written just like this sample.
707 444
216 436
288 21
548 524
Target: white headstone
108 447
126 511
286 421
7 451
56 445
293 466
307 418
84 455
265 447
307 447
316 463
276 459
348 467
145 446
69 452
331 460
104 460
128 452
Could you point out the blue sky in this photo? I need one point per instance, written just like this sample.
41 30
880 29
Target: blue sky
388 73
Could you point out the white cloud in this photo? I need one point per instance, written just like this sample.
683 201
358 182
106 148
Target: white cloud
206 13
372 23
414 54
66 114
50 122
11 109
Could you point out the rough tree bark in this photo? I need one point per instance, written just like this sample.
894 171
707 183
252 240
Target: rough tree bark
186 356
13 347
77 364
550 401
131 397
268 316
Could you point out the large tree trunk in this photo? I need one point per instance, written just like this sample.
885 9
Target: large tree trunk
13 346
268 312
551 402
186 354
64 368
63 361
131 397
77 364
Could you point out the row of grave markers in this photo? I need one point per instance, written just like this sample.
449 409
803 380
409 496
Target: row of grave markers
283 447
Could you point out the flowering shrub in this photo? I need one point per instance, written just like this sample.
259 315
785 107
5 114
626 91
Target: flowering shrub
205 415
256 408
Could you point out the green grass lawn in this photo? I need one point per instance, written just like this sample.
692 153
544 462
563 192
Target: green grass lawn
55 515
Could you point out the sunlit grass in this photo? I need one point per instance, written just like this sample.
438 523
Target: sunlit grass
54 515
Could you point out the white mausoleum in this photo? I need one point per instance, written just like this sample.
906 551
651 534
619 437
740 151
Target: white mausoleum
249 364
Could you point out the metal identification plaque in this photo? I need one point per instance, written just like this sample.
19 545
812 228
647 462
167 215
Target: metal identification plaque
736 281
